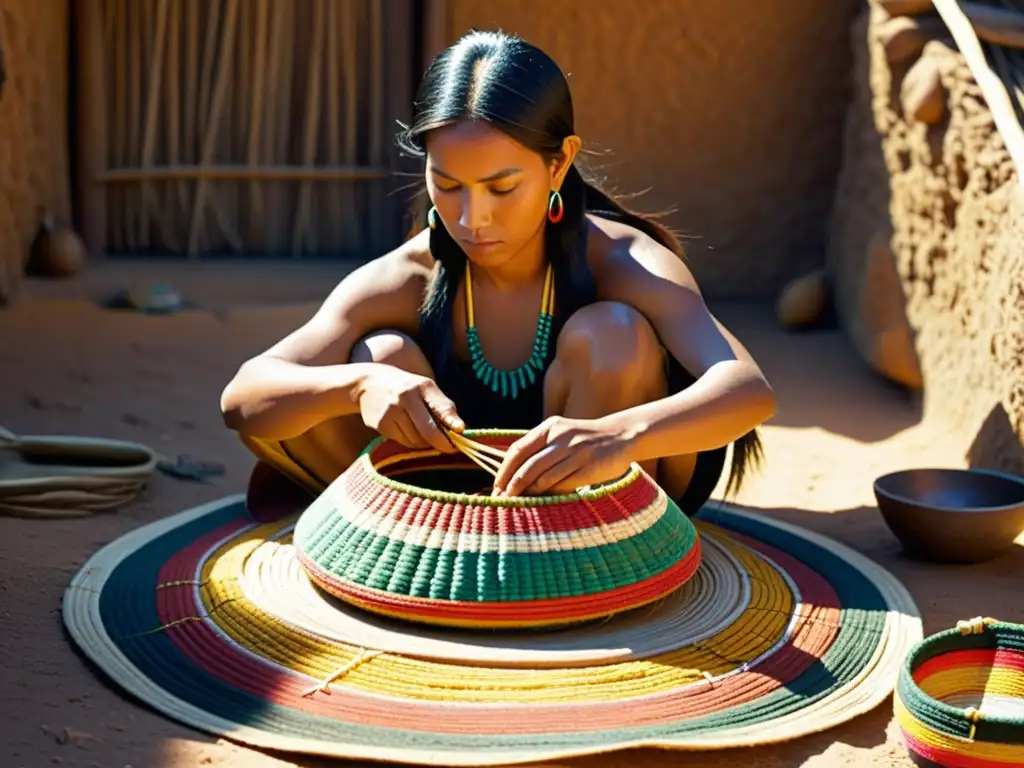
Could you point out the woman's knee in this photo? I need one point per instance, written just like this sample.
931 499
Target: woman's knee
610 338
391 348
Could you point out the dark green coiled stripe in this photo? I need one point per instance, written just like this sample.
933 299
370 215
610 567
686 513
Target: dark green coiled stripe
376 561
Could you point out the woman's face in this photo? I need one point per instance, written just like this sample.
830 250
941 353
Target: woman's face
490 191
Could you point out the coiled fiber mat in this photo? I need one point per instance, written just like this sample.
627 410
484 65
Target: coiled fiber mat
208 617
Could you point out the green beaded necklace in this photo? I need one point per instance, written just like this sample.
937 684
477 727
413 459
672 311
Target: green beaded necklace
511 383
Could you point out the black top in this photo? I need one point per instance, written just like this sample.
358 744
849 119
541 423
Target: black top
481 408
478 405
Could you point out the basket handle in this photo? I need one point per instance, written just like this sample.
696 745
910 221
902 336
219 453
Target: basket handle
975 626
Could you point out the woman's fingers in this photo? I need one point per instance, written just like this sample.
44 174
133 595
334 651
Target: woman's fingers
401 426
518 453
442 406
533 468
428 429
571 462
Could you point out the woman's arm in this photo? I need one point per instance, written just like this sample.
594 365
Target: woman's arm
306 378
731 395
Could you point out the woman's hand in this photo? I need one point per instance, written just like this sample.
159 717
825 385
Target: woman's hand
562 455
408 408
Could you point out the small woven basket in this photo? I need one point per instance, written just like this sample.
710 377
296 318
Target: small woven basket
960 696
415 535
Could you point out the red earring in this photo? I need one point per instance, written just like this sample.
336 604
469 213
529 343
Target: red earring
556 209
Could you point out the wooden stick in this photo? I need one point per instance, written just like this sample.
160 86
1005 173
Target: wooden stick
460 441
92 77
257 117
135 31
484 466
150 125
333 223
118 137
437 29
210 20
483 461
377 103
287 64
242 173
905 7
209 55
991 87
274 88
487 457
313 92
283 116
174 129
350 202
145 66
227 45
242 112
191 77
110 20
223 143
484 456
488 466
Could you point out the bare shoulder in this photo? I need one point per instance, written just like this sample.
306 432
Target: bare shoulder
622 257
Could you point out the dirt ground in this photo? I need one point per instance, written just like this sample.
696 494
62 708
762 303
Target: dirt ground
67 366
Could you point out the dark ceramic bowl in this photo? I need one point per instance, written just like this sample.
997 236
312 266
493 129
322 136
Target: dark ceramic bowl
952 515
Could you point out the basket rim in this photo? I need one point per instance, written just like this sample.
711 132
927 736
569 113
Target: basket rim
586 492
994 631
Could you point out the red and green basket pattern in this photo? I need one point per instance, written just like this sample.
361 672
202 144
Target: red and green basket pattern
385 538
960 697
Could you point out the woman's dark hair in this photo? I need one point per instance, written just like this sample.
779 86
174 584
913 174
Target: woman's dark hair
520 90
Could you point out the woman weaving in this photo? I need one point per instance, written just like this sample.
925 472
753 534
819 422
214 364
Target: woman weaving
529 300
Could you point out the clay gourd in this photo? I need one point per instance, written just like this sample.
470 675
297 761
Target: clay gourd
58 251
803 301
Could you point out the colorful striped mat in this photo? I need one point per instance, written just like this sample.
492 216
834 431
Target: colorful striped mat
208 617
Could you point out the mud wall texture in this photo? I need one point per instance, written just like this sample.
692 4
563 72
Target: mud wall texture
927 236
33 127
732 119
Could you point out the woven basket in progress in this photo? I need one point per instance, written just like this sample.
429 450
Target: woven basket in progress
402 533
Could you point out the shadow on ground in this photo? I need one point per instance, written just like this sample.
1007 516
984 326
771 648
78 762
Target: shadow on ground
812 371
996 446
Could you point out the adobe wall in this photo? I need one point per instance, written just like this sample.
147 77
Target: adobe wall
733 119
927 236
33 127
